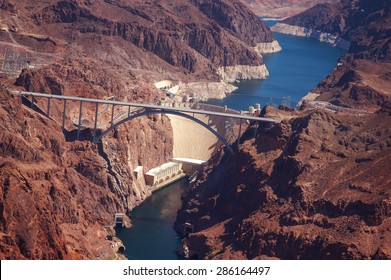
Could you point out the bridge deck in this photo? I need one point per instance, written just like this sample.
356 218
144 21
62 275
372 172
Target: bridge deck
145 106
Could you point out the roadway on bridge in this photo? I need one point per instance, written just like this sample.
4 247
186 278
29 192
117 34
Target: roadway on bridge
145 106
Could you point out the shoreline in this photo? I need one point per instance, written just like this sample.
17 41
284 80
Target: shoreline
206 90
300 31
273 18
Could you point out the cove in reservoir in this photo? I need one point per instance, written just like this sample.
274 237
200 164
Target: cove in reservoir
301 65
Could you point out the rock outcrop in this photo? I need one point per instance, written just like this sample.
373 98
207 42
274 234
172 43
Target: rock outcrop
360 22
264 48
361 78
194 36
243 72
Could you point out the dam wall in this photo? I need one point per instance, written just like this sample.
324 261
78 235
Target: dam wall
191 140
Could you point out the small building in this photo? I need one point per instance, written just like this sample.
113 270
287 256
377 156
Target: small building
162 173
119 219
190 165
138 172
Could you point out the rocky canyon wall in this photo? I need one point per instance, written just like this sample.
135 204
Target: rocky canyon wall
58 193
308 188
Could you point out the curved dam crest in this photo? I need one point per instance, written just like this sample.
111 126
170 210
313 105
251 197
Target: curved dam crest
193 141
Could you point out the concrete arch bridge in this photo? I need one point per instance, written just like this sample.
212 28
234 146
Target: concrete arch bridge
205 126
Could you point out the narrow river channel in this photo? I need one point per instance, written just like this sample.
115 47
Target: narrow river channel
152 236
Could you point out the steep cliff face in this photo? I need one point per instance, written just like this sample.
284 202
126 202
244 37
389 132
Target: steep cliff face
58 193
313 187
230 15
364 23
194 36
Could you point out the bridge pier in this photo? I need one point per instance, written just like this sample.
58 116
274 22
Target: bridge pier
240 131
48 111
64 114
96 119
112 116
80 114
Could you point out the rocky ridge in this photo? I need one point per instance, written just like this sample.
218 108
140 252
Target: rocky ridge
178 34
361 78
187 41
361 22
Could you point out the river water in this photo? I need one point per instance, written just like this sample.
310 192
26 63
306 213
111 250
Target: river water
152 236
301 65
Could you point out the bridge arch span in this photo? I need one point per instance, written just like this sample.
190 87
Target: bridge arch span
162 111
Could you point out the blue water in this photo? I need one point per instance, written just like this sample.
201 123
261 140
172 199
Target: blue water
301 65
294 71
152 236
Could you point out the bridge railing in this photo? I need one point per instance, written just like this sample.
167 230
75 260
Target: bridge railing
201 106
215 108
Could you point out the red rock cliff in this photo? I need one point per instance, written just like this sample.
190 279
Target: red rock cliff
315 187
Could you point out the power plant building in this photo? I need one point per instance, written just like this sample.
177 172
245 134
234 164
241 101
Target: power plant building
162 173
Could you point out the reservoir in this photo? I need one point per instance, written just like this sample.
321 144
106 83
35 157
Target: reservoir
301 65
294 71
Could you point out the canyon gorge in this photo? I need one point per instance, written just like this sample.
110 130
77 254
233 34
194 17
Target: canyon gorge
313 186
